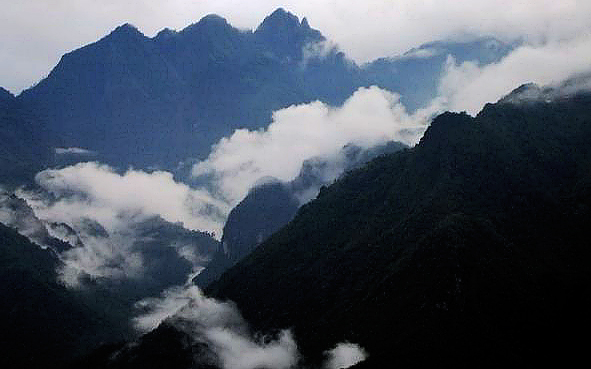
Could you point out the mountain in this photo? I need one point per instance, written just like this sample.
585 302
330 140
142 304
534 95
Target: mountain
17 214
415 75
469 249
157 102
270 206
263 211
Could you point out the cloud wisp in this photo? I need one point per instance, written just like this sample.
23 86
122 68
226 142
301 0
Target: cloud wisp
222 328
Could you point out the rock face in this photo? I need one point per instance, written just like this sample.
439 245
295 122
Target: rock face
263 211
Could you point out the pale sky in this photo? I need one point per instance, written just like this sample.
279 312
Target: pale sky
35 33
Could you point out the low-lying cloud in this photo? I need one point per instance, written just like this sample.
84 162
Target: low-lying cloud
371 116
117 217
225 332
468 87
95 191
221 327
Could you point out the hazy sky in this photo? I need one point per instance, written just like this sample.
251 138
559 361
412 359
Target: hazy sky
35 33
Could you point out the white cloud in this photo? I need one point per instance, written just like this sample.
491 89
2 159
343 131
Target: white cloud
468 87
221 326
369 117
344 355
105 209
238 351
95 191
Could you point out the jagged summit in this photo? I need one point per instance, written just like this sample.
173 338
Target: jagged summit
278 18
284 32
126 28
125 31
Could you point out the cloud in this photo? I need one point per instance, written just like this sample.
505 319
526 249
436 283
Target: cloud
344 355
317 51
468 87
118 218
371 116
96 191
223 329
221 326
73 151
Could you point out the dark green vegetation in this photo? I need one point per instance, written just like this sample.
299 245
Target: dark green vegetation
43 323
471 248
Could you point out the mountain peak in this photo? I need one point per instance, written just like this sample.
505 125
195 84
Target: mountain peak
286 35
126 28
165 33
212 22
126 31
304 23
279 19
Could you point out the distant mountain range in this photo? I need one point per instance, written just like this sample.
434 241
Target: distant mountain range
156 102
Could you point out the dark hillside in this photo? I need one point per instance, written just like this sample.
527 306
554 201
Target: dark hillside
470 248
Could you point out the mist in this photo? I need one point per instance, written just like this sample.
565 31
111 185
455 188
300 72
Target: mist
467 87
118 219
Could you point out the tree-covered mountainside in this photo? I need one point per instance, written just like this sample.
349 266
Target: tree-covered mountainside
43 323
471 248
